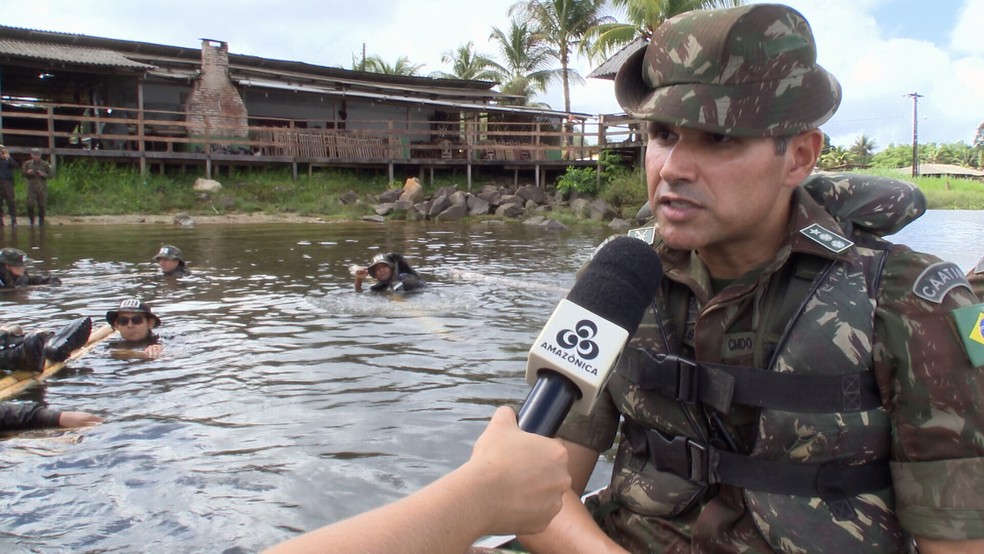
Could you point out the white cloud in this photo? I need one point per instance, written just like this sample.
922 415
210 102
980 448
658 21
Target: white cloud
875 65
876 71
966 36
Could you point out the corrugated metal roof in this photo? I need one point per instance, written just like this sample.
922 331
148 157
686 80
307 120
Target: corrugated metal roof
609 67
403 98
98 57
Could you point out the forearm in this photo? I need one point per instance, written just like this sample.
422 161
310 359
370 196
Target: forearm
932 546
572 531
445 516
513 482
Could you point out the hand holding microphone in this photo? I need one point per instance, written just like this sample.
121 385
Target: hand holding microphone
571 359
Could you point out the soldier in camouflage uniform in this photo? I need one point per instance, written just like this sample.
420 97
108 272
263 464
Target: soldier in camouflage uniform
37 172
800 384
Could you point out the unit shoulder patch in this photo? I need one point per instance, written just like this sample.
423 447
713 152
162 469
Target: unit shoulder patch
937 280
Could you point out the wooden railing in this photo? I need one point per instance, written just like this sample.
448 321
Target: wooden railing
163 135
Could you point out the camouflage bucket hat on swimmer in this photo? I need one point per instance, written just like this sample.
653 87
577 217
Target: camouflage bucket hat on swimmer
747 71
379 259
13 256
168 252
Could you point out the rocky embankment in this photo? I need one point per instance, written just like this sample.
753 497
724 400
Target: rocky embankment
528 203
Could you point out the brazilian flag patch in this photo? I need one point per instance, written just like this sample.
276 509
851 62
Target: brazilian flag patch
970 325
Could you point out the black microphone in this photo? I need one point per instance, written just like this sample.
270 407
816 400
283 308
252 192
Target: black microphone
571 360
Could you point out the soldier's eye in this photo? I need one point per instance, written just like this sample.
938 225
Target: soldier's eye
661 133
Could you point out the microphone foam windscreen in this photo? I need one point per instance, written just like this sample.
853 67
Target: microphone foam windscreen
619 282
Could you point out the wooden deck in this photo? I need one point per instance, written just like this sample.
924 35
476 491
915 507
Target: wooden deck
157 141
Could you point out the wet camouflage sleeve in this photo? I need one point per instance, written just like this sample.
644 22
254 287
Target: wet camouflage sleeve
936 398
595 431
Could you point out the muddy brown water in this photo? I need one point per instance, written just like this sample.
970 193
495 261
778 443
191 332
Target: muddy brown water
284 401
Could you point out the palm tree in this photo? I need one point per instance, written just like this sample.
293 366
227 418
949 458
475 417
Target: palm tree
525 70
562 24
643 17
837 158
468 64
862 149
403 66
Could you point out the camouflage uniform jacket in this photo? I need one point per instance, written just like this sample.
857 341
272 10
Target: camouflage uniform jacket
14 416
854 317
10 281
42 171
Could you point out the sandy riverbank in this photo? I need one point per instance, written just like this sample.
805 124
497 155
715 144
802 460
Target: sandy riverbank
168 219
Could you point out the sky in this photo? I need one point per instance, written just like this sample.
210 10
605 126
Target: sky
880 50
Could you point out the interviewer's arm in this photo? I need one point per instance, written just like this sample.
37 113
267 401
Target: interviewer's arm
573 530
932 546
512 482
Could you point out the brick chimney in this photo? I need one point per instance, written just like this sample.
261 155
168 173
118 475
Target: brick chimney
214 103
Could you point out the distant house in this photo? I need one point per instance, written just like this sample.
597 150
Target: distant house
128 101
945 170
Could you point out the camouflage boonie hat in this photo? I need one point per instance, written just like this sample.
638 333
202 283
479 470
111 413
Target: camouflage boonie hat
168 252
13 256
747 71
380 259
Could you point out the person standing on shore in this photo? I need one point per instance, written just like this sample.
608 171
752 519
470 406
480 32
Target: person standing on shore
7 167
37 172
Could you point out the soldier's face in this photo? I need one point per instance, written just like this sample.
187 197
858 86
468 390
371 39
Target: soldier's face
134 326
725 197
17 270
382 272
167 265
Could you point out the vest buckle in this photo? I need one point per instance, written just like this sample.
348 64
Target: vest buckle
687 376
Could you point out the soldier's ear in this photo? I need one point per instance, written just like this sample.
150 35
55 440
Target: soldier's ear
801 155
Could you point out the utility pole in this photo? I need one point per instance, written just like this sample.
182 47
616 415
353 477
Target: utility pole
915 133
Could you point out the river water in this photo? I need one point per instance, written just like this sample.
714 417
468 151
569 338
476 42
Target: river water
284 401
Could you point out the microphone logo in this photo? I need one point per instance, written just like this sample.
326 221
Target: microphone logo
580 338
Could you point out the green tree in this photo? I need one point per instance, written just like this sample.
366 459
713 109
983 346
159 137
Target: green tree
562 25
526 62
403 66
641 17
893 156
468 64
837 158
862 150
